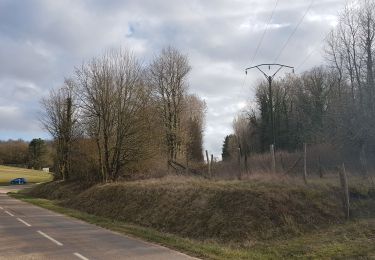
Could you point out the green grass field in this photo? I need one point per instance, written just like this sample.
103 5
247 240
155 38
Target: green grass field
32 176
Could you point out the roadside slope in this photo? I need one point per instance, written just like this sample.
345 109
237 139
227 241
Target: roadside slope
222 211
225 220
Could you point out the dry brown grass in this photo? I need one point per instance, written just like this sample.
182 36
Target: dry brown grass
260 208
321 160
264 216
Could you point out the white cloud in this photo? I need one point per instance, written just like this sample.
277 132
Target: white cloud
324 19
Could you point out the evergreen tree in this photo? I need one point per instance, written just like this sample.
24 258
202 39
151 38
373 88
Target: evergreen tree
37 153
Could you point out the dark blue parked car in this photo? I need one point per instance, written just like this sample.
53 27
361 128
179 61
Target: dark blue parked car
18 181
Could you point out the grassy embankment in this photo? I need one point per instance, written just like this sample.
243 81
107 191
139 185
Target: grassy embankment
256 219
9 173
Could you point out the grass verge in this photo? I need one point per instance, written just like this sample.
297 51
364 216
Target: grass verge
226 212
352 240
196 248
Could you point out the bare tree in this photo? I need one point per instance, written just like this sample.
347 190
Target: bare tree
60 119
351 48
192 127
168 77
113 99
366 17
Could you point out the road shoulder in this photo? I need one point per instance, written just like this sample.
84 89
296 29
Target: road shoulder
142 234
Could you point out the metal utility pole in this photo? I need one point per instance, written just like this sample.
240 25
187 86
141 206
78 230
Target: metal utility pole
269 79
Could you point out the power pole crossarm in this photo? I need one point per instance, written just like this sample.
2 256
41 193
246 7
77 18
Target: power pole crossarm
269 80
269 65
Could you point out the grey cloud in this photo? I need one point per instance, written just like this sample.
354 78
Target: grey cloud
14 120
41 41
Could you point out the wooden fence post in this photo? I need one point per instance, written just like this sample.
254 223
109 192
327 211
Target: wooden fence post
246 164
345 190
320 168
273 159
212 165
305 163
208 164
239 164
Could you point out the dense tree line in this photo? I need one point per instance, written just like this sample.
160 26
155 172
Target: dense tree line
330 104
14 152
35 154
115 117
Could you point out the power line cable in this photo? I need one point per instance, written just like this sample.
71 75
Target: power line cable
260 42
264 33
294 31
309 55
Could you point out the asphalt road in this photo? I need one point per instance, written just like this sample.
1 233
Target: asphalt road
30 232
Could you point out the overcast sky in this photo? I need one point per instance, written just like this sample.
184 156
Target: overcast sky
41 41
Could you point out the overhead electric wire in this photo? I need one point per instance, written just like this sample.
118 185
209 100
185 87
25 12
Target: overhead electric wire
294 31
260 41
309 55
306 59
264 33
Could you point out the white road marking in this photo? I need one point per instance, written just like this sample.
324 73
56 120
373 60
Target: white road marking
24 222
50 238
80 256
10 214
